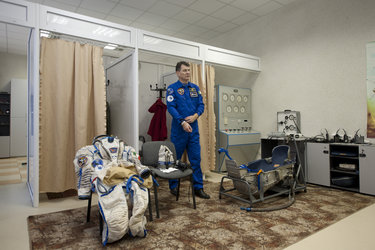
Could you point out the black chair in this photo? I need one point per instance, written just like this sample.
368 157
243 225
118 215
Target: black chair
150 158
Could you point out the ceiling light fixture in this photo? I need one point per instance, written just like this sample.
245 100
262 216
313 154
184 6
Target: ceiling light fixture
44 33
110 46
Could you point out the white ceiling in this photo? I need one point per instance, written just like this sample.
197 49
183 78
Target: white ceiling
13 39
194 20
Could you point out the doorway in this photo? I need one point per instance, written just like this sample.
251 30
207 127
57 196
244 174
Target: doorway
13 103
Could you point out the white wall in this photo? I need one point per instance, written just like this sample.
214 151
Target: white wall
150 73
313 60
11 66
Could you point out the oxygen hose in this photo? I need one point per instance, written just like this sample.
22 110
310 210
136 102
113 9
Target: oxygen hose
269 209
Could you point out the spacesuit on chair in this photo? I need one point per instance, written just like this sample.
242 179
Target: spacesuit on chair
116 173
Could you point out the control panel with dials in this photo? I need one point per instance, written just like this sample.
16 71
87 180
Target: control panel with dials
234 109
233 112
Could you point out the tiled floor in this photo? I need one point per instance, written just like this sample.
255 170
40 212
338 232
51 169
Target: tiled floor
13 170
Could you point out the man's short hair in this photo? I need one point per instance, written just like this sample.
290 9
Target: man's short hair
178 65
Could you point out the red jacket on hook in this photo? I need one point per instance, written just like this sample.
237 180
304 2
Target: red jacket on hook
158 125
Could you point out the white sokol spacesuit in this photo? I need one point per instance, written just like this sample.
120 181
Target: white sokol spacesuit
116 172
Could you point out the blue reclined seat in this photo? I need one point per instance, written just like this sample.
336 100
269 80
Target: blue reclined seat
280 157
260 180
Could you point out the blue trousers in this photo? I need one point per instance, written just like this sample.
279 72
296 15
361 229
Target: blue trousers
190 142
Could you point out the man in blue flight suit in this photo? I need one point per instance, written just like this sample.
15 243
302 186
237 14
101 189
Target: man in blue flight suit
185 104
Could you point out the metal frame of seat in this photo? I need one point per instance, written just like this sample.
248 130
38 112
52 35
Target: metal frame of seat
244 187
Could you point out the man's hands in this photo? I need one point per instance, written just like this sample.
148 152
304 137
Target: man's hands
192 118
186 123
186 126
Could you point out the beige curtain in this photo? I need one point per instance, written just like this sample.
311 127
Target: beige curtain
207 120
72 108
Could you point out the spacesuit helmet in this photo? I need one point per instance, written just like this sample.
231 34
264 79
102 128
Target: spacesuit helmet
108 147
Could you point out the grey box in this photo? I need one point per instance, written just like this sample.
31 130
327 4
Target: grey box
289 122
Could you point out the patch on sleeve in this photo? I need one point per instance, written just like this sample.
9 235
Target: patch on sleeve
170 91
82 161
170 98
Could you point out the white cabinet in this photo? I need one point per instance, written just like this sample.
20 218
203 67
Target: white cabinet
4 146
18 118
317 158
18 136
367 169
342 165
18 100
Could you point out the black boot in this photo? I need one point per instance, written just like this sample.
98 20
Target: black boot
200 193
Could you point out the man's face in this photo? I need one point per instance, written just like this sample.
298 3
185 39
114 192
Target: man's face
183 74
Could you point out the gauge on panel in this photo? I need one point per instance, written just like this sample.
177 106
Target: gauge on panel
235 109
232 98
229 109
239 98
242 109
225 97
245 99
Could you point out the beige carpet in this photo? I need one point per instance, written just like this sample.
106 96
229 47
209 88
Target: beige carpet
215 224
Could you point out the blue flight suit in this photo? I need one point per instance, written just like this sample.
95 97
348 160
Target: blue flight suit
183 101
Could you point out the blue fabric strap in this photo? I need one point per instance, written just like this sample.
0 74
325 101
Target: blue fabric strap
105 223
80 177
155 182
138 180
108 192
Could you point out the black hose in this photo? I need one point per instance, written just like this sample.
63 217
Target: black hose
269 209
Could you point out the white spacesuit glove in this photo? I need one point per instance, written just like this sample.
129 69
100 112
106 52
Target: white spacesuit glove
84 170
129 154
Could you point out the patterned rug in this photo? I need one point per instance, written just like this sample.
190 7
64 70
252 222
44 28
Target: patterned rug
215 224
